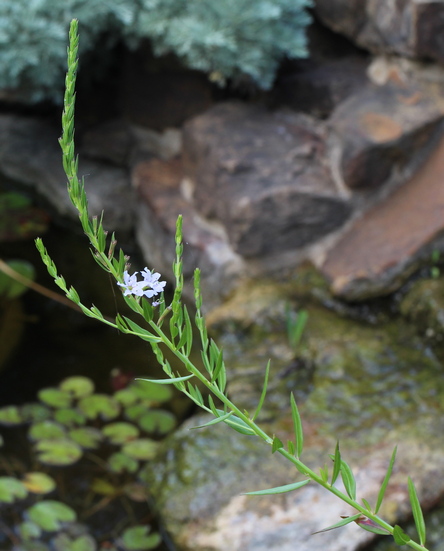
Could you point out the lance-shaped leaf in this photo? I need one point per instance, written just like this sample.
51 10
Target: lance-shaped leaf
263 393
371 526
385 481
343 522
417 512
237 424
348 479
336 465
279 489
167 381
127 325
298 432
400 537
214 421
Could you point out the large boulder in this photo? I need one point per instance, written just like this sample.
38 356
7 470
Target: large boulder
30 154
410 28
376 132
381 249
199 477
264 176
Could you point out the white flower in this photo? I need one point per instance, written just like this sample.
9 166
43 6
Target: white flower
131 285
151 279
150 286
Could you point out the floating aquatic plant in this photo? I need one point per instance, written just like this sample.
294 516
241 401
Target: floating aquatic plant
71 424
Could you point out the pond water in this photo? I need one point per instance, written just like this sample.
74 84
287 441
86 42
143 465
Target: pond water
59 342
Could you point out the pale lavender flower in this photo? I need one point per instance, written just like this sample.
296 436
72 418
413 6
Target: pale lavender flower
150 286
151 279
131 285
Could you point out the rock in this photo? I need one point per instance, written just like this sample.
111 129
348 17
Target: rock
198 479
263 176
317 87
377 131
160 186
423 305
380 250
410 28
120 143
30 154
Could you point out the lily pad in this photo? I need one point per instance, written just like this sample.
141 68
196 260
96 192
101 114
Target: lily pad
50 515
35 412
134 412
63 542
58 452
125 396
145 390
11 489
142 448
10 415
138 538
119 433
77 386
157 420
103 487
55 397
119 463
99 405
69 417
39 483
87 437
46 430
29 530
11 288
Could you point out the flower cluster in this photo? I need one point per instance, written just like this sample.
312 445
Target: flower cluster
149 286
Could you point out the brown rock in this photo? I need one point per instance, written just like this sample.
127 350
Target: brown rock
411 28
381 249
263 176
378 130
317 87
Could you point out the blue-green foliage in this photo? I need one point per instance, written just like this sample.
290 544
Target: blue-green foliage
225 38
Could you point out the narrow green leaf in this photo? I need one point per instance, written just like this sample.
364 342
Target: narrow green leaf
336 464
298 431
137 330
189 330
385 481
417 512
147 311
182 340
371 526
400 537
276 445
348 479
367 505
290 447
323 471
218 365
343 522
214 421
213 406
222 379
279 489
167 381
237 424
263 393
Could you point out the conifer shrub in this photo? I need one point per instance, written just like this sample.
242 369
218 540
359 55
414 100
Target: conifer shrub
227 39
